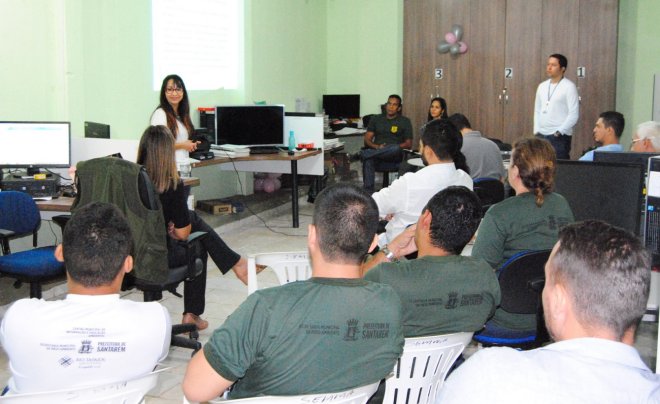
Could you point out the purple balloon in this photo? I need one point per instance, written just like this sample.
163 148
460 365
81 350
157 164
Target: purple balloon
450 38
462 47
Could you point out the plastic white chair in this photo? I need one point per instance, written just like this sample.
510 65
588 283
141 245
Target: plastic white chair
124 392
358 395
420 372
288 266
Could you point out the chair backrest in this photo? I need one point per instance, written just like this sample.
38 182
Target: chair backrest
18 213
358 395
121 182
288 266
517 276
489 190
125 392
421 370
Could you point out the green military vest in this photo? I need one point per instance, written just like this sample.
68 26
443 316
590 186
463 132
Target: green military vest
113 180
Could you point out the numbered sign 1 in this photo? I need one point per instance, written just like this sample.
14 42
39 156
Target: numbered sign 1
508 72
438 74
581 71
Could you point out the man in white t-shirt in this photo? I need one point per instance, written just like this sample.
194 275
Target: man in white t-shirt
91 337
557 107
402 202
597 283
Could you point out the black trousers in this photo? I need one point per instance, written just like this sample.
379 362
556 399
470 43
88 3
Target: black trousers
194 291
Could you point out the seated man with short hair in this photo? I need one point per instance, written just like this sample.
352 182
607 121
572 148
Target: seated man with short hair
330 333
441 291
597 285
607 133
647 137
91 337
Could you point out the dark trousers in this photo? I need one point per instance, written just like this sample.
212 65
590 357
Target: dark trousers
561 144
369 157
194 291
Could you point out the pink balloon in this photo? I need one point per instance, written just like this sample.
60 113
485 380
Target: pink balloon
450 37
462 47
269 185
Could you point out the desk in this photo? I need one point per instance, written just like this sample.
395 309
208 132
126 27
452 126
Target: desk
63 203
261 162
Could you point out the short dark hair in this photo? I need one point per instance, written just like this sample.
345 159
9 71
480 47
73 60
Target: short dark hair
563 62
455 216
346 220
445 141
614 120
95 243
607 272
460 121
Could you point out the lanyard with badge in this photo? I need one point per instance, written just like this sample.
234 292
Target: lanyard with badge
550 94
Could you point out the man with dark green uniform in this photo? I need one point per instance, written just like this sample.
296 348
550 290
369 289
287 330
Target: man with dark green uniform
442 292
387 135
330 333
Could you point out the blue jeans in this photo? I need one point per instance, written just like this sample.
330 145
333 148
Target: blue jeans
391 153
561 144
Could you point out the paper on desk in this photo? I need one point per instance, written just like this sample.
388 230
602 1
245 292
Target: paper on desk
349 131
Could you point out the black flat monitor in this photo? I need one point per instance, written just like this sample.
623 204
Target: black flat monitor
250 125
624 157
341 105
612 192
97 130
35 145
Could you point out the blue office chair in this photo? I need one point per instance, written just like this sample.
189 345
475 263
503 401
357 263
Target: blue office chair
521 279
489 190
19 217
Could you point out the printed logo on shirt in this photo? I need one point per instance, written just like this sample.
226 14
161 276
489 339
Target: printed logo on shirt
375 330
65 362
351 330
111 347
454 300
86 347
394 129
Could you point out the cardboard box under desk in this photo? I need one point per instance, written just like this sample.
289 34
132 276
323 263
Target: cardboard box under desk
215 207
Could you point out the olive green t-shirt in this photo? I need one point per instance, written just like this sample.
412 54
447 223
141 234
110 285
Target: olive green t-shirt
390 131
441 295
322 335
514 225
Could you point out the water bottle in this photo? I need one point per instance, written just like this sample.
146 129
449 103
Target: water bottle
292 141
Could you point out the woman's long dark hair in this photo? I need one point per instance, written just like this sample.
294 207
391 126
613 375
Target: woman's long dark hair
184 106
445 141
443 105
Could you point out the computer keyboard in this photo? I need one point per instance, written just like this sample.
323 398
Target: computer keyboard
264 149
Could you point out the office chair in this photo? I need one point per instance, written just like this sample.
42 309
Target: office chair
489 190
19 217
521 280
151 273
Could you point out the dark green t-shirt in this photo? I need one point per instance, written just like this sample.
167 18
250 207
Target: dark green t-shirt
317 336
441 295
390 131
514 225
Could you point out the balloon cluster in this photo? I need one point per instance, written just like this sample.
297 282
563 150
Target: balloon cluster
267 182
452 42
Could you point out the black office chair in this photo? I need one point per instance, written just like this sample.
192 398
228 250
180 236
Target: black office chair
19 217
521 280
489 190
151 273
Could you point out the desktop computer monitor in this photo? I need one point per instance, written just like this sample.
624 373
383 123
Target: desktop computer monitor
612 192
35 145
342 105
251 125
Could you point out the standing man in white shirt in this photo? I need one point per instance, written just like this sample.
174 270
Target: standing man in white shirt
557 107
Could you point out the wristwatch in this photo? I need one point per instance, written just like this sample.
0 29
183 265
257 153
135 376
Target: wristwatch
558 134
389 255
